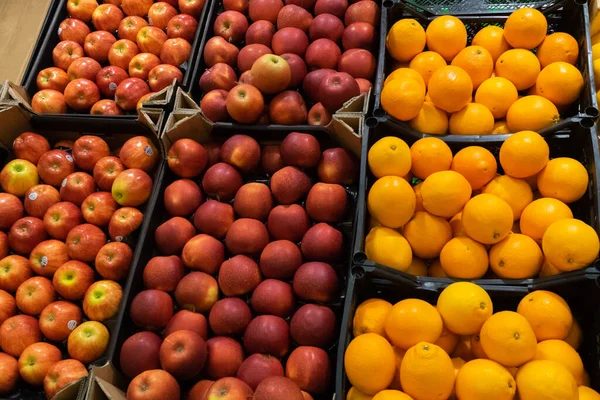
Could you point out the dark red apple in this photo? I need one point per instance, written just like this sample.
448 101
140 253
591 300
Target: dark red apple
163 273
260 32
290 40
25 234
197 292
337 165
278 388
253 200
288 108
214 218
267 334
289 185
229 317
359 63
294 16
280 260
326 26
247 236
222 181
297 68
182 198
225 355
265 10
249 54
231 26
316 281
183 354
214 105
187 158
319 116
309 368
313 325
203 253
140 353
151 310
219 50
274 297
271 161
367 11
326 202
219 76
288 222
313 80
238 276
185 320
258 367
334 7
172 235
323 53
337 89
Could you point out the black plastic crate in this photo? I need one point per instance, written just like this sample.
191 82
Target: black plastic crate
125 326
578 143
582 295
570 16
42 58
115 138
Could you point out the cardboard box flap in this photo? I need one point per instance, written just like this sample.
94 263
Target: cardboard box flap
15 121
105 383
359 104
182 123
15 94
184 101
346 129
74 390
162 98
152 118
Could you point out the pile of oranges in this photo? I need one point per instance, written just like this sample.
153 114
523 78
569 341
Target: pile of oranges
496 85
462 349
463 218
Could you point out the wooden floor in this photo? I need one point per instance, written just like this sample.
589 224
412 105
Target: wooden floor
20 22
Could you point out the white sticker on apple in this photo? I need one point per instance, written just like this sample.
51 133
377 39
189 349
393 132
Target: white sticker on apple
59 31
32 196
184 65
64 182
72 324
148 150
119 238
44 261
69 158
112 86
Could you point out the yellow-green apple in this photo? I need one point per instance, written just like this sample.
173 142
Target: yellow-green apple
136 7
61 218
11 209
265 10
323 53
129 92
14 270
334 7
18 176
84 242
175 51
185 320
238 276
337 165
139 353
72 279
199 390
359 63
230 388
141 65
82 9
203 253
294 16
106 107
122 52
290 40
81 94
153 384
326 26
182 26
225 355
163 273
130 26
52 78
245 103
19 332
87 150
258 367
113 260
187 158
318 115
54 166
73 29
88 341
84 67
98 208
106 17
260 32
182 198
362 12
65 53
316 281
151 310
191 7
151 39
106 171
139 152
76 187
39 198
163 75
47 256
49 101
183 354
278 388
214 105
9 374
219 50
8 306
132 187
270 73
231 26
36 360
214 218
124 222
97 45
61 374
313 325
34 295
197 292
336 89
267 334
288 108
219 76
229 317
309 368
25 234
102 299
58 319
222 181
160 14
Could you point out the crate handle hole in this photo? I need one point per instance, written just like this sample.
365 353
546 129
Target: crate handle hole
388 3
372 122
592 112
581 2
587 122
359 258
379 112
358 272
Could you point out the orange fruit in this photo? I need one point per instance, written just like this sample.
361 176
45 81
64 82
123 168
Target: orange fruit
492 39
540 214
570 244
545 379
561 352
476 164
447 36
404 73
549 270
430 120
389 156
585 393
456 225
458 364
464 258
507 338
427 234
463 349
426 63
524 154
384 197
450 88
559 82
558 46
403 99
436 270
370 317
354 394
497 94
448 340
516 257
476 347
412 321
487 218
500 128
430 155
417 267
485 379
405 39
532 113
575 335
585 381
419 197
563 178
477 62
516 192
473 119
525 28
399 354
391 395
548 314
464 307
370 363
445 193
519 66
596 51
427 372
388 247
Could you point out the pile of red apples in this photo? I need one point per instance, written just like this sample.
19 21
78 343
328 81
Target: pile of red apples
237 303
268 60
59 271
112 57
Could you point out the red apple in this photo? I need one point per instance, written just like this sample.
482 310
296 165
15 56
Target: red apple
160 14
183 354
39 198
230 316
238 276
249 54
88 341
290 40
359 63
288 108
294 16
185 320
139 353
76 187
172 235
129 92
326 26
273 297
102 299
253 200
30 146
74 30
82 9
265 10
163 75
139 152
258 367
176 52
197 292
132 188
87 150
62 374
72 279
61 218
141 65
334 7
25 234
54 166
122 52
364 85
163 273
84 242
297 68
359 35
213 150
267 334
236 5
36 360
9 374
52 78
49 101
151 310
106 107
153 384
203 253
214 105
98 208
191 7
34 295
309 368
289 185
58 319
219 50
313 80
245 103
219 76
278 388
319 116
65 53
124 222
106 170
323 53
337 89
8 306
47 256
182 26
97 45
106 17
11 209
81 94
260 32
151 39
4 247
367 11
182 198
130 26
19 332
316 281
306 4
138 8
214 218
241 151
225 356
230 388
313 325
187 158
113 261
199 390
231 26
